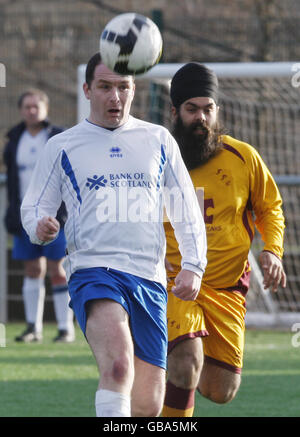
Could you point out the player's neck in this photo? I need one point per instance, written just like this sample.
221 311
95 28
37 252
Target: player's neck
34 129
105 124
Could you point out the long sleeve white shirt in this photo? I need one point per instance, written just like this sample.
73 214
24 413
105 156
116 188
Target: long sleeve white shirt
115 185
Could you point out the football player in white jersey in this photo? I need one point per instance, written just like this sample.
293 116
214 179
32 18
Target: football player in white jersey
115 174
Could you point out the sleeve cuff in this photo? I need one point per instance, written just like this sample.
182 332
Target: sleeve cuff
34 239
193 268
273 253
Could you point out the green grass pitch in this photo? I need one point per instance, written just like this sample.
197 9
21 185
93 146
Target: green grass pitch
60 380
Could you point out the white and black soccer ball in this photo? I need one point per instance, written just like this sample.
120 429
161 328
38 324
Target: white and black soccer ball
130 44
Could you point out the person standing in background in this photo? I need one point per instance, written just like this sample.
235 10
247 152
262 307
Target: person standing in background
26 140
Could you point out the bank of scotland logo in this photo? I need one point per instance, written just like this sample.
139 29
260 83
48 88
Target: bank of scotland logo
96 182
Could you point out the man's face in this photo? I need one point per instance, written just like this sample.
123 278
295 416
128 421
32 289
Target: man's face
197 113
197 130
110 97
33 110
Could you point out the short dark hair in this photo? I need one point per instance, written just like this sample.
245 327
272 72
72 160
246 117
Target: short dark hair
33 92
90 68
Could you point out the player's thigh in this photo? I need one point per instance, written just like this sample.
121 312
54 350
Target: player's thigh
35 268
218 384
225 320
224 347
185 320
148 390
109 336
185 363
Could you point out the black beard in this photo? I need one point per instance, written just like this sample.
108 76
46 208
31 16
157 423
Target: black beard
197 149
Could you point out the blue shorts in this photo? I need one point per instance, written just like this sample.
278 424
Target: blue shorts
23 248
144 301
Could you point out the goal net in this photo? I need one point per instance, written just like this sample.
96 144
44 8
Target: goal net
259 104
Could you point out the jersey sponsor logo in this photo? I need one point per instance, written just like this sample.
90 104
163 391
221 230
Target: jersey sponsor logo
96 182
213 228
128 179
117 180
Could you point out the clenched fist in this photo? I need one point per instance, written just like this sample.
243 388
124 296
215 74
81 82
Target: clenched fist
47 229
187 285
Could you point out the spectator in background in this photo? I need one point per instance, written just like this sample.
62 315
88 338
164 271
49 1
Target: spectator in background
26 140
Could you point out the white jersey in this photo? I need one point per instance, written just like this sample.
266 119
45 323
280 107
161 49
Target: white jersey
115 184
28 152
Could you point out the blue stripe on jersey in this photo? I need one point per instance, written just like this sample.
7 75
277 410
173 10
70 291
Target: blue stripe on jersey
66 165
161 165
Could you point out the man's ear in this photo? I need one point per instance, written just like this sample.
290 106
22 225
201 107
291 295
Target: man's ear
86 90
174 112
133 89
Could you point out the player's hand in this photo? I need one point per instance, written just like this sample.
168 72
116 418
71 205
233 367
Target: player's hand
47 229
274 274
187 285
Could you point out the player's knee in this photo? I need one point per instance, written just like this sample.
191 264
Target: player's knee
56 273
148 407
120 370
219 395
34 271
184 370
146 410
58 279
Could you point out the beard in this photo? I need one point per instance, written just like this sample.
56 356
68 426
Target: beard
197 148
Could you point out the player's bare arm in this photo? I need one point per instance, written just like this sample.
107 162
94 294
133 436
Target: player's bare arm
187 285
47 229
274 274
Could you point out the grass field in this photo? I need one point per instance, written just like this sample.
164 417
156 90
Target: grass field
58 380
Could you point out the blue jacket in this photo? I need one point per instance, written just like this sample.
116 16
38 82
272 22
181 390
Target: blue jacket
12 217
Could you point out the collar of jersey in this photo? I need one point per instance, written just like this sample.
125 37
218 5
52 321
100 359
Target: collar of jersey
109 131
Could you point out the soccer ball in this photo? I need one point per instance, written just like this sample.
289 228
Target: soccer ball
130 44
